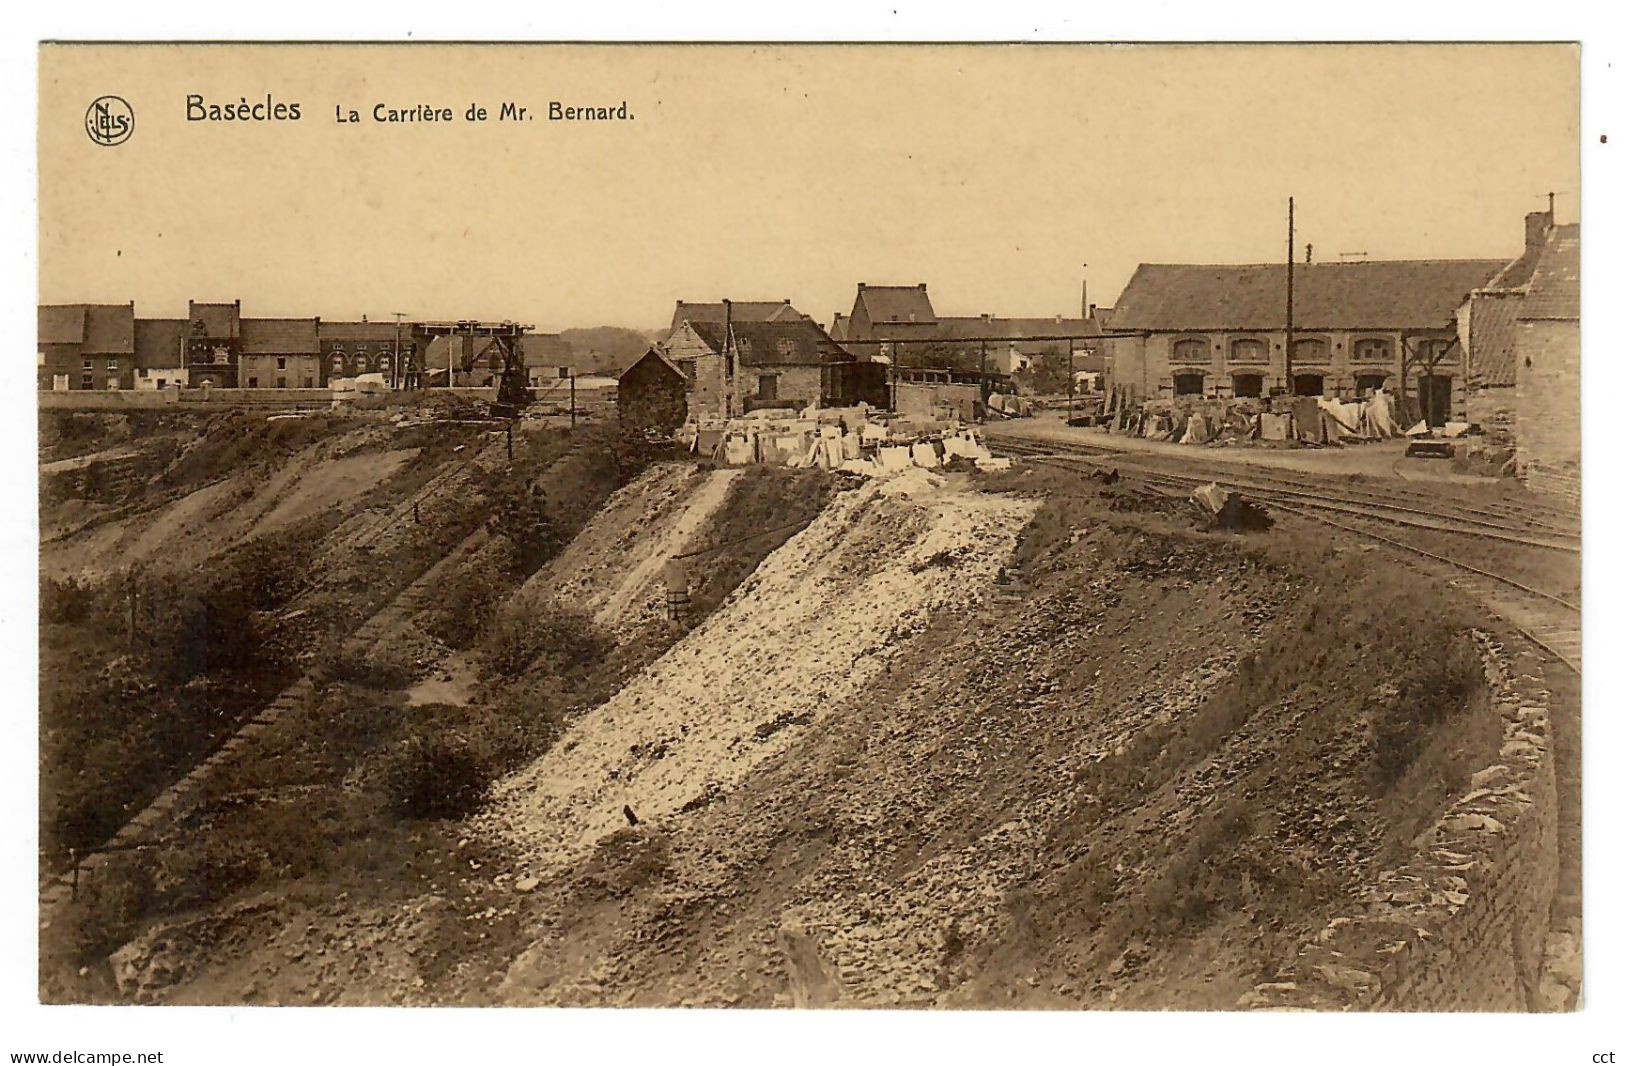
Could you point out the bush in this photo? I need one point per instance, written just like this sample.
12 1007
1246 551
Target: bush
1439 684
109 908
436 774
465 605
65 602
521 516
543 635
343 662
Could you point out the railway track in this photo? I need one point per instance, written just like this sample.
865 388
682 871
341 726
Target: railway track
1544 618
1515 515
1321 498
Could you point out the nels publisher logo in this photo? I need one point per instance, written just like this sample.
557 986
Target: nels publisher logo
110 120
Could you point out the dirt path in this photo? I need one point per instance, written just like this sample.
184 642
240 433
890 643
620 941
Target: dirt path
673 537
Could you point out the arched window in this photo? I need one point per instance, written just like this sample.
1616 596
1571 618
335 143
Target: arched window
1249 350
1373 350
1189 350
1310 350
1188 384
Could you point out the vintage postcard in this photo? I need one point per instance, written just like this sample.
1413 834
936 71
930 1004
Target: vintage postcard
1082 527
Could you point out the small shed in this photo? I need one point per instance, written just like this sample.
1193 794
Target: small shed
653 393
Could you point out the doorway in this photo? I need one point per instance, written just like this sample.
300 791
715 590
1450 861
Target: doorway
1308 384
1433 390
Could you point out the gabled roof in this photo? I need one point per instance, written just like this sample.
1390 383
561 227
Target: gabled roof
219 320
546 349
1381 294
1492 337
109 329
894 303
656 354
1554 287
279 336
158 343
743 311
61 323
797 343
838 326
955 328
351 332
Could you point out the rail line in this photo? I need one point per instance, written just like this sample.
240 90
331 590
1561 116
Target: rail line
1318 498
1545 619
1561 523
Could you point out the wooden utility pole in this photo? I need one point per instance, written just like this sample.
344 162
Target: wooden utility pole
395 363
1291 254
1069 350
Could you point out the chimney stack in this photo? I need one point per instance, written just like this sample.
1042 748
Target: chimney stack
1535 225
922 286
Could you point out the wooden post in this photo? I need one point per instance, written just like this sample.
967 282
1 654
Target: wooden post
1069 349
1290 255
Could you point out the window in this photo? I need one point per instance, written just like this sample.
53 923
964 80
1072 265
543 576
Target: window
253 383
112 366
86 382
1249 386
1373 350
281 381
689 367
89 364
1310 350
310 383
1249 350
1308 384
282 362
1189 350
1188 384
767 386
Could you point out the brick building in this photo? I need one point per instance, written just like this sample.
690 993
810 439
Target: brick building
280 353
1487 327
214 337
736 366
723 311
86 346
160 353
1188 330
652 393
350 349
1547 363
897 323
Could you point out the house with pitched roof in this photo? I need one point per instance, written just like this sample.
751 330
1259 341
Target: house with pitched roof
86 346
1486 325
213 342
735 310
350 349
736 366
1547 364
280 353
1220 330
160 353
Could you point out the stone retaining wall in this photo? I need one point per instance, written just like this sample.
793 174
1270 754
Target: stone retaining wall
1463 925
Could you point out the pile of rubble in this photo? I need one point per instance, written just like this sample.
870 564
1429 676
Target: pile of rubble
859 440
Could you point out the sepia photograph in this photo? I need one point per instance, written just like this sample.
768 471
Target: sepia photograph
922 526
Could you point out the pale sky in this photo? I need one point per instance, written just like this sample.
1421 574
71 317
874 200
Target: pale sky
994 173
